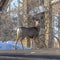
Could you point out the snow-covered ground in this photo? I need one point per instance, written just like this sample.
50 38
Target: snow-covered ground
9 45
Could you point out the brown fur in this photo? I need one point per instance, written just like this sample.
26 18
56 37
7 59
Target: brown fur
22 32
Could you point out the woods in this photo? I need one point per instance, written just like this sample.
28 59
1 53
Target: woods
24 13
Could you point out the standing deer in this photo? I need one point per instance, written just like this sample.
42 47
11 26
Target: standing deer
31 32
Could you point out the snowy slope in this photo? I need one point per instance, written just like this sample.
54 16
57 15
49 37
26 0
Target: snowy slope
9 45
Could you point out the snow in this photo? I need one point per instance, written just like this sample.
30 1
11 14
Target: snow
37 10
53 1
9 45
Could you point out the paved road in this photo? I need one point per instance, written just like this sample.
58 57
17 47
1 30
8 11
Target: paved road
40 57
42 54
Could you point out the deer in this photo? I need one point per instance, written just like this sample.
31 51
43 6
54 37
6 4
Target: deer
30 32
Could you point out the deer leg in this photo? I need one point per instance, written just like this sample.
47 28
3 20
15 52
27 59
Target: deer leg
21 41
35 39
33 43
22 45
15 47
